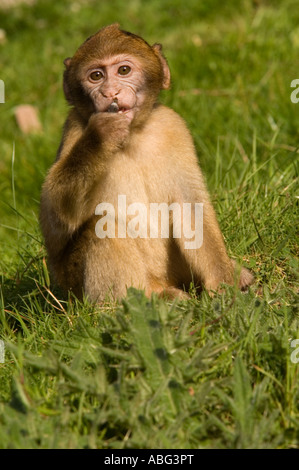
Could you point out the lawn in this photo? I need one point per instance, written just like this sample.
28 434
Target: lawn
219 372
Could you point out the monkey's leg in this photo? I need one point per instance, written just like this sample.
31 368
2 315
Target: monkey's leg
111 267
171 293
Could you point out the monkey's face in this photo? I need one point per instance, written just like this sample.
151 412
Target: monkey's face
117 79
116 71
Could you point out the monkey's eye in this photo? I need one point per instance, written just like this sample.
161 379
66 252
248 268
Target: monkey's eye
97 75
124 70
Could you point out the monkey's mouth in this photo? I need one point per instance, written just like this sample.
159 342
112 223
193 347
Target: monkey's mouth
115 108
123 110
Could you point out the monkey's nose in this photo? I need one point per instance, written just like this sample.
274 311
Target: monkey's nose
110 93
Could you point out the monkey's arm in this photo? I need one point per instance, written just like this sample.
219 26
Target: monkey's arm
209 262
69 193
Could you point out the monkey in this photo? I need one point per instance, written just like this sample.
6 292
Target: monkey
120 143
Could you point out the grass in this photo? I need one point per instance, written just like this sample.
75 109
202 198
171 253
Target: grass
206 373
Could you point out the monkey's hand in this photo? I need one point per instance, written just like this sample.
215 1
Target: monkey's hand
112 130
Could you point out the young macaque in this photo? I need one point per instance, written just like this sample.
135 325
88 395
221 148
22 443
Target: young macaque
125 203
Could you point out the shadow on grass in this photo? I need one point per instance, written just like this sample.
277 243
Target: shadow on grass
27 295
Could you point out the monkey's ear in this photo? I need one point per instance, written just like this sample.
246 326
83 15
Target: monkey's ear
66 88
67 62
166 72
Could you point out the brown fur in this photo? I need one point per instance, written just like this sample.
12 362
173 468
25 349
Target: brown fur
150 159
